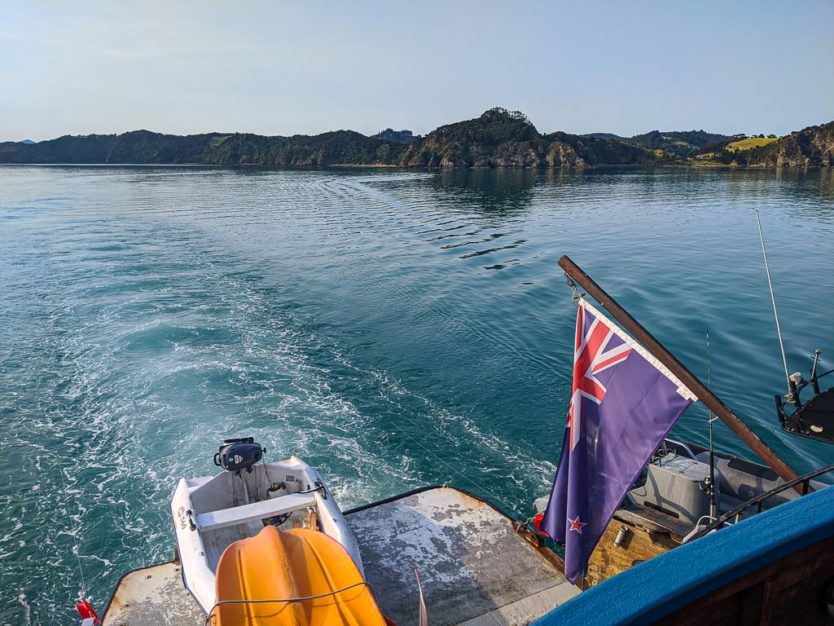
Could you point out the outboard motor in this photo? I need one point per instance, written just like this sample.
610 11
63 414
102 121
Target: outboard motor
237 454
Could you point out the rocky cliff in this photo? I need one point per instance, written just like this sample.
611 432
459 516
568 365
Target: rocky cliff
812 146
501 138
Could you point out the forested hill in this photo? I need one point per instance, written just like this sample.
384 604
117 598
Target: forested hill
678 142
397 136
498 138
501 138
812 146
334 148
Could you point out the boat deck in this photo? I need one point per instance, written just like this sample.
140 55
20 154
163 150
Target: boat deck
152 595
474 567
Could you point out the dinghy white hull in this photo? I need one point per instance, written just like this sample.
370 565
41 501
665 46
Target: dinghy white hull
212 512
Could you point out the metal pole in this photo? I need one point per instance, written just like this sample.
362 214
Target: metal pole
701 391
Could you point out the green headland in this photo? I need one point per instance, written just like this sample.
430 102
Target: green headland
496 139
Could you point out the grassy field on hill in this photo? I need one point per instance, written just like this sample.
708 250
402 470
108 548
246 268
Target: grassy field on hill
750 143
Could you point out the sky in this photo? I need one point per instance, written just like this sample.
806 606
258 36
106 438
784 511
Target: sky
282 68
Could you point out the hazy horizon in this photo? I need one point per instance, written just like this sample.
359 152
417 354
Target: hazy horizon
285 69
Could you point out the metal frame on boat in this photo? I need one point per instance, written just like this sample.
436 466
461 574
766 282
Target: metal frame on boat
813 418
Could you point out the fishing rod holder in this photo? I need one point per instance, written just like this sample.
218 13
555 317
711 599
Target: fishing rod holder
796 383
813 418
814 379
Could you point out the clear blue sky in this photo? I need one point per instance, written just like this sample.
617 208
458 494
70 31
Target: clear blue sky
78 67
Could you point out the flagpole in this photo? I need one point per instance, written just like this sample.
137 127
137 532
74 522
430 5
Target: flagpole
703 393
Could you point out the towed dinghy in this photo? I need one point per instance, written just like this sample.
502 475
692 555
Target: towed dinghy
211 513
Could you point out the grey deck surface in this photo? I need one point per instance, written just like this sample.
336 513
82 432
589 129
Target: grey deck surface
474 568
153 596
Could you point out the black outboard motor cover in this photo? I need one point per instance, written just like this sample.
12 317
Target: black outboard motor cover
237 454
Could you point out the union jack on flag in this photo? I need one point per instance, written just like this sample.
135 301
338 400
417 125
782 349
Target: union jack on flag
623 404
594 352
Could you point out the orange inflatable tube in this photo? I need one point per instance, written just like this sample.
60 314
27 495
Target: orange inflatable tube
302 577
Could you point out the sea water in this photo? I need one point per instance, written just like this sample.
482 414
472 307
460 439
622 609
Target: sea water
392 328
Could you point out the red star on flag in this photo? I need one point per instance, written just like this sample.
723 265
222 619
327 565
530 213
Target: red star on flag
576 525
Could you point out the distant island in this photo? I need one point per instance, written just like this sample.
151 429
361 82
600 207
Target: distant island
498 138
681 143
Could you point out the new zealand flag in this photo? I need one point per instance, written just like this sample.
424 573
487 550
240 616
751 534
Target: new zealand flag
623 403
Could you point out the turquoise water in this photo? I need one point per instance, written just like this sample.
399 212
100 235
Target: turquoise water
392 328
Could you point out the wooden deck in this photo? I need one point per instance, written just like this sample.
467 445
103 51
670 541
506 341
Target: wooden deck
474 567
649 534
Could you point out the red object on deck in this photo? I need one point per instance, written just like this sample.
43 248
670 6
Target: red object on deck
86 610
537 524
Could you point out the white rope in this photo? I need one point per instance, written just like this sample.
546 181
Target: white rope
77 557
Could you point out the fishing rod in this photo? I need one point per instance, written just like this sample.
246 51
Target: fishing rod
713 501
815 418
773 303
